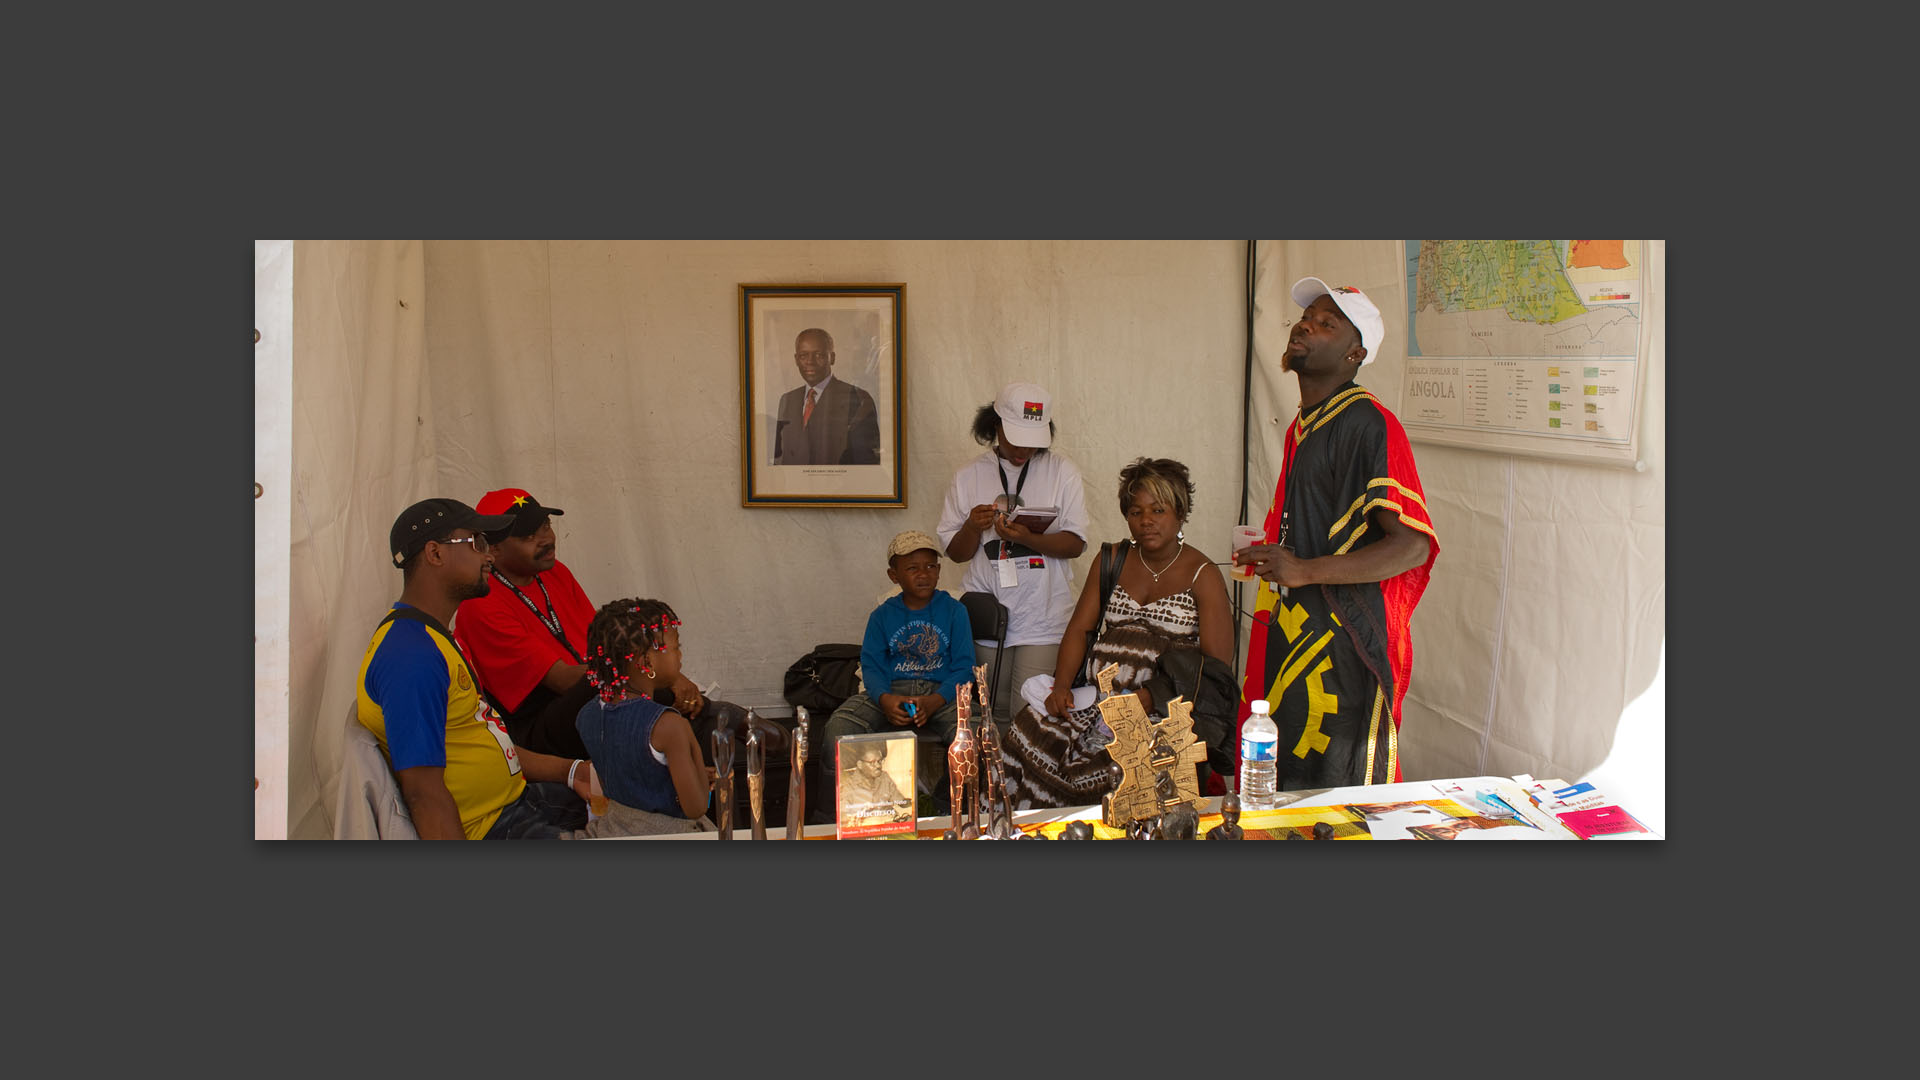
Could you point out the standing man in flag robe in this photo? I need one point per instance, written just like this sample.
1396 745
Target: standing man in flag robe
1349 547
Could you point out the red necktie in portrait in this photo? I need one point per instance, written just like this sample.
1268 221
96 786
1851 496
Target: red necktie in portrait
808 414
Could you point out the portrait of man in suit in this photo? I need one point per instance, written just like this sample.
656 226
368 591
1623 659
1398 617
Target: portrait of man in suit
825 420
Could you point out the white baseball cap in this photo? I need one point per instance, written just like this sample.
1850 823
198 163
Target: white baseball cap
1026 412
1353 303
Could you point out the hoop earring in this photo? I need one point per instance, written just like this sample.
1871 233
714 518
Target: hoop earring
646 671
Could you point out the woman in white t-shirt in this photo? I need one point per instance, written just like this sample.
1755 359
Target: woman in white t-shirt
1029 569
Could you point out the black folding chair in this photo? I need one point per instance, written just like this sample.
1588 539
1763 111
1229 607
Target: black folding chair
989 619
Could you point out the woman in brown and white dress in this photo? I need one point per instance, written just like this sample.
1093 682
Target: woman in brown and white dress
1166 594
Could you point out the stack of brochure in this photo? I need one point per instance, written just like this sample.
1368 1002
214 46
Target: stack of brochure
1583 809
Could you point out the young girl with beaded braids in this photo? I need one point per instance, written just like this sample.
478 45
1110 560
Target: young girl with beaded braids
644 752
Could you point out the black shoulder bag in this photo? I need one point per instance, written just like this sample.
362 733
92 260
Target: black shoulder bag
1112 558
823 679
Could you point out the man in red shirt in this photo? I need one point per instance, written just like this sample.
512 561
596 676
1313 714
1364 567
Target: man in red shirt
526 635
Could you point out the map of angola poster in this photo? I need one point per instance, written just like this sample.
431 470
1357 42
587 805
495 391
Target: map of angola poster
1531 338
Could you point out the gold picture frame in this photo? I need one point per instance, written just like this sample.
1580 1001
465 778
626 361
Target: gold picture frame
845 443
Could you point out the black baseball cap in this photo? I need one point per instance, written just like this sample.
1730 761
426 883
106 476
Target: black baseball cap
435 519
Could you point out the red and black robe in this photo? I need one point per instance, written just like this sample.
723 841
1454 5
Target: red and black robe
1334 660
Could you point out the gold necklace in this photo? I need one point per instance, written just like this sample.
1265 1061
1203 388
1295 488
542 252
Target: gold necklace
1164 569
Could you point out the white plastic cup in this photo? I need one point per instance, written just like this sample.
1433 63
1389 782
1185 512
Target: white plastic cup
1244 536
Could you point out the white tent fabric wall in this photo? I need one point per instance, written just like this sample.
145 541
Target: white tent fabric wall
604 377
363 450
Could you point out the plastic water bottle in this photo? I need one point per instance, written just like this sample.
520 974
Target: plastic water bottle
1259 758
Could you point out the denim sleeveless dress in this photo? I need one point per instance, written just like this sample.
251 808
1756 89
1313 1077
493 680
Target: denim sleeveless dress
619 738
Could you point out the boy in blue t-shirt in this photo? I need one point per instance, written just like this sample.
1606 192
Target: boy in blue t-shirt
918 649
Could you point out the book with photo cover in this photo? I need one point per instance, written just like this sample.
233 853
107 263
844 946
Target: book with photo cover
874 795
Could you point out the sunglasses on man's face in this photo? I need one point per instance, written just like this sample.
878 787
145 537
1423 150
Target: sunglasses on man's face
480 544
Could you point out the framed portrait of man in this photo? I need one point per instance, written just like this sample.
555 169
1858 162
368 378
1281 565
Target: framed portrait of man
822 401
875 787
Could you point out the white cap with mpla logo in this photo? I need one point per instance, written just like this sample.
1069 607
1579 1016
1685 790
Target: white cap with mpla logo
1026 412
1353 303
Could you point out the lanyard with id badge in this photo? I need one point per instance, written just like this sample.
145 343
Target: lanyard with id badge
1005 552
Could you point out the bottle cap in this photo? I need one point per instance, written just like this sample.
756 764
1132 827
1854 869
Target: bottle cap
1261 706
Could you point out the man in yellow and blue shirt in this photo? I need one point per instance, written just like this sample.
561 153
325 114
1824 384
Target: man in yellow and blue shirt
460 774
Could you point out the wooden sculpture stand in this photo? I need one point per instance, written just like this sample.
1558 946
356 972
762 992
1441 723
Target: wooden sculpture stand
1157 760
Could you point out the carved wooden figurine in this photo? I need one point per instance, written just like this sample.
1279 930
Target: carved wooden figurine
1179 823
756 779
999 808
797 779
959 760
1229 827
964 708
993 776
723 781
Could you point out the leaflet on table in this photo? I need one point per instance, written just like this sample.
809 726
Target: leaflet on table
1603 822
1502 800
1556 796
1391 821
1481 798
1582 809
1450 818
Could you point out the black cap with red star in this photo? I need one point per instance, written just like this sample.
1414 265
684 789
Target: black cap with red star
523 508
